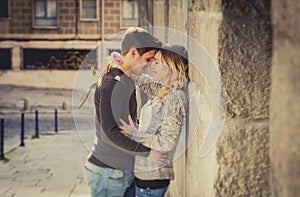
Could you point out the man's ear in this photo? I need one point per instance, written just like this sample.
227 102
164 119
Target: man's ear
133 52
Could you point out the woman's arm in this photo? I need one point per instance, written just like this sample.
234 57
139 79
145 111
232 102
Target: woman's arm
146 84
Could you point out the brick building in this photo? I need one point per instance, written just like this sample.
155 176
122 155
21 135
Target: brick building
34 33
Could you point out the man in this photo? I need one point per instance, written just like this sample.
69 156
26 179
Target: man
111 162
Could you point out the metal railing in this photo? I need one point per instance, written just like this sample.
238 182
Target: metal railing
22 133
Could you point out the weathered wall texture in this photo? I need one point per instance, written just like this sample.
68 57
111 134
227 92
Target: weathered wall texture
175 20
285 99
238 36
194 176
245 52
159 13
204 20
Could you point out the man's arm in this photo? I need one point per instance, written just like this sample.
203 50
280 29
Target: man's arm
111 109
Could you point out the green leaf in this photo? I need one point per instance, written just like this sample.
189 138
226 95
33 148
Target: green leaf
93 86
96 78
94 72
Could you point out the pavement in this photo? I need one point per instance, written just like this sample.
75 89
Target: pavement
51 165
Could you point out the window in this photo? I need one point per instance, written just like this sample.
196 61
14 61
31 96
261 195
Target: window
4 9
5 56
129 13
89 9
45 13
57 59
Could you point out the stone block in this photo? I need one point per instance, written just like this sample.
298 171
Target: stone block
108 4
114 24
20 5
203 5
284 107
115 11
109 18
286 18
69 18
243 160
245 53
64 11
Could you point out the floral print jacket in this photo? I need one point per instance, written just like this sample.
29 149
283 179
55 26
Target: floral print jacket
161 124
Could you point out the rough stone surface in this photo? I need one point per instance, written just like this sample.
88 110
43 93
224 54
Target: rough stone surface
204 5
245 52
204 20
158 19
285 97
177 22
203 26
243 161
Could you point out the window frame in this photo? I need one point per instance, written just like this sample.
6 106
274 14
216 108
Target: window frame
122 26
35 26
90 19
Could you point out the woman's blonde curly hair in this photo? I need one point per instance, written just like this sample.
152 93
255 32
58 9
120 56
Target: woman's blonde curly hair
176 57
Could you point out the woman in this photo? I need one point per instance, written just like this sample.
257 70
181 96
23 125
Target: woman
162 117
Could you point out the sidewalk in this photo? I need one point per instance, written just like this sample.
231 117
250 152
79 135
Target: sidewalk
49 166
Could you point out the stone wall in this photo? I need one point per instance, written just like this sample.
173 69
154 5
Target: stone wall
245 52
194 175
204 20
238 37
285 97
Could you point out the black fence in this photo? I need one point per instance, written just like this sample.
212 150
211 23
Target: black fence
22 130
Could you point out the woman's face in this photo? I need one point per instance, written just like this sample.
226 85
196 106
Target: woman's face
159 68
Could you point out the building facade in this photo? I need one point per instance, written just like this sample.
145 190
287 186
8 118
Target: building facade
47 34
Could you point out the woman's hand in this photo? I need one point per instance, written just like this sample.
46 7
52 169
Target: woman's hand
126 128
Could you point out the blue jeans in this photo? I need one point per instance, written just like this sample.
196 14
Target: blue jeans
107 182
139 192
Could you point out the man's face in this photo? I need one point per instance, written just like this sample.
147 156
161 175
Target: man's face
141 62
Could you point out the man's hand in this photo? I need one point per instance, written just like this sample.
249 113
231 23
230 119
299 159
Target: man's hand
126 128
158 157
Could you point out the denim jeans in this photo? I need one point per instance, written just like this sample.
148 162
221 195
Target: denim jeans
107 182
139 192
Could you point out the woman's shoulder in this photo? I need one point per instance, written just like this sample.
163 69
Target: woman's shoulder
177 97
178 94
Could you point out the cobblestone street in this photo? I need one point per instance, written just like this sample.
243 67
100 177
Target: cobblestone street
51 165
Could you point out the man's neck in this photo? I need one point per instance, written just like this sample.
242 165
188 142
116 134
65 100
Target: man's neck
125 69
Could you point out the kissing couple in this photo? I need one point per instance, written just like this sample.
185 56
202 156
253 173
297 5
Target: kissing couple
132 156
